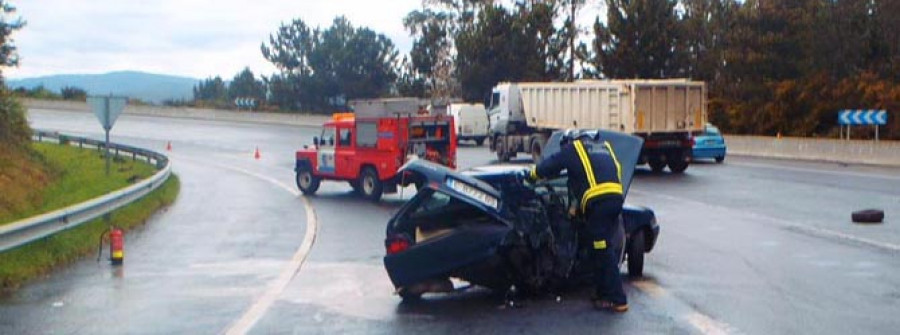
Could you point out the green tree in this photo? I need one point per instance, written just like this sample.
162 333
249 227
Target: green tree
73 93
14 130
640 39
245 85
211 90
329 66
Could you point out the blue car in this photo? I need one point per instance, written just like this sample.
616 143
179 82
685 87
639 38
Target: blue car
710 144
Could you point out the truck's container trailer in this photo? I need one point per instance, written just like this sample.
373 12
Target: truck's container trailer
666 113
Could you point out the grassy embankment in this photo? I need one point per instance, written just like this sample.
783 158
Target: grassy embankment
54 176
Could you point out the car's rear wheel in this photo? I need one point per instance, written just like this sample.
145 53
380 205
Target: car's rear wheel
372 187
720 159
479 141
635 254
306 181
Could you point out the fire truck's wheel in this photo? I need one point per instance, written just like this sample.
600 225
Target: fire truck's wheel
355 185
656 165
306 182
371 185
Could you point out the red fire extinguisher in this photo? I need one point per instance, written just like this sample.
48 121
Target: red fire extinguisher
116 245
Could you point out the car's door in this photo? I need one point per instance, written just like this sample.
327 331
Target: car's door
344 153
325 162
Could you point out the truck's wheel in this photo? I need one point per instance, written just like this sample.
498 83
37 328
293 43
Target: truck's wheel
479 141
537 150
370 184
677 163
656 165
635 254
502 152
307 182
678 166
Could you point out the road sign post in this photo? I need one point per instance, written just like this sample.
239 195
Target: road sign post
107 109
861 117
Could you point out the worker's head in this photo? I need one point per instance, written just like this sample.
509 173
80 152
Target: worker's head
570 135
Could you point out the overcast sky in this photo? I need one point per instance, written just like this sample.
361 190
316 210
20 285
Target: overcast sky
193 38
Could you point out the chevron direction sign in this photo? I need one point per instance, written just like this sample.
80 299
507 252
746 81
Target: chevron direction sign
245 102
853 117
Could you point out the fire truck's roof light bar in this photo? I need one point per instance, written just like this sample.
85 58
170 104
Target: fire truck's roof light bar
342 117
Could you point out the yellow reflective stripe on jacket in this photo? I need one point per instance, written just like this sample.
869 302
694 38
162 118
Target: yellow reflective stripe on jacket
600 245
586 163
598 190
534 175
616 160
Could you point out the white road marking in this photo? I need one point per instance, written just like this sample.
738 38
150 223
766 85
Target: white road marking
810 230
276 287
703 323
828 172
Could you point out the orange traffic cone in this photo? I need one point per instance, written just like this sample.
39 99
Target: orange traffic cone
169 146
256 155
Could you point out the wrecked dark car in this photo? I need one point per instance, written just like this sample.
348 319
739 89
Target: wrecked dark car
488 227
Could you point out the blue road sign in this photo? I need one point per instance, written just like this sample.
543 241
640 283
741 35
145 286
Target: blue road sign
853 117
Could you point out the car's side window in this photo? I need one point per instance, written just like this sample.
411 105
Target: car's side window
345 135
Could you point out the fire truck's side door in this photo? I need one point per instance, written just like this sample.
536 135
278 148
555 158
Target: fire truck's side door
325 154
344 153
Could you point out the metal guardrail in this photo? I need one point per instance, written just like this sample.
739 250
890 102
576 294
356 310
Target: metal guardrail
31 229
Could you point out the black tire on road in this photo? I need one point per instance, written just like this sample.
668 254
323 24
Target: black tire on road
371 186
479 141
306 181
720 159
868 216
656 165
635 254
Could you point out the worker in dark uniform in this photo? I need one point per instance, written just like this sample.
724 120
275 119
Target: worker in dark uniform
594 179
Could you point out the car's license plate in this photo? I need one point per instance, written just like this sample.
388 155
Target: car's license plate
473 193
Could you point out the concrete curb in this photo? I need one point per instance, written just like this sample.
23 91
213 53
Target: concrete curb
883 153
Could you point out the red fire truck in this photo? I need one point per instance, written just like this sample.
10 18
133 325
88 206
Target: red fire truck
366 148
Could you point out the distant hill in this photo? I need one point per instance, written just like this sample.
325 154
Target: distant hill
145 86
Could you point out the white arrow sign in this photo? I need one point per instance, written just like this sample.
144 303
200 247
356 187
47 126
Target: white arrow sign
107 109
862 117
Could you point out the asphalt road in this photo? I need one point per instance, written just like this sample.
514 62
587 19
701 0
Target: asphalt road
749 246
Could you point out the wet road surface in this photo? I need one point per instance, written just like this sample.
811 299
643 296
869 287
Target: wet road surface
749 246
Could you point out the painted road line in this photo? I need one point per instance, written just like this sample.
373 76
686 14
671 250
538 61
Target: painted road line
790 225
807 170
703 323
265 301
